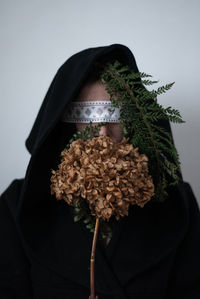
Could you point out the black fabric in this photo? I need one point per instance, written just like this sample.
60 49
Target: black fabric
153 253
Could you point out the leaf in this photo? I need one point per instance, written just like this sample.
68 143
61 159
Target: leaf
77 218
139 116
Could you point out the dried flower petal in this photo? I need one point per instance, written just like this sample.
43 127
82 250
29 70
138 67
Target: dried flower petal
109 176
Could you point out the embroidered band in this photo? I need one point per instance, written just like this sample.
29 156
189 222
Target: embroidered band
91 111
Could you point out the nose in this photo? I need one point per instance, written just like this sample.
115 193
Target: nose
103 131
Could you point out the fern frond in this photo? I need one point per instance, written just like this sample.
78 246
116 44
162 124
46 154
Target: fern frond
139 116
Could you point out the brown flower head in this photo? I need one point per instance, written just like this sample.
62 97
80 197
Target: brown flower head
109 176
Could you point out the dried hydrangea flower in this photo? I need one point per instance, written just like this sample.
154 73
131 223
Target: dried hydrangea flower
109 176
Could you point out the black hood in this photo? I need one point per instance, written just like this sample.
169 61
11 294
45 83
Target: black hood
47 225
66 84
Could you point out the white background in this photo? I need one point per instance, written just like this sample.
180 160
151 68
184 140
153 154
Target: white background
38 36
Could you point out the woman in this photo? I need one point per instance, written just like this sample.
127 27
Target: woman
153 253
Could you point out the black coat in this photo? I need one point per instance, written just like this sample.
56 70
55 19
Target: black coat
153 253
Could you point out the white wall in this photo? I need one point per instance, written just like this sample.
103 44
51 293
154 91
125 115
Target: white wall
38 36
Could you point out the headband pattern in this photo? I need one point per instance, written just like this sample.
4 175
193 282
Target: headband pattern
91 111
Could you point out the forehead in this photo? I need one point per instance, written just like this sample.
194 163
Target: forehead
94 91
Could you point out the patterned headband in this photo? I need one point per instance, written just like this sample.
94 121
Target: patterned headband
91 111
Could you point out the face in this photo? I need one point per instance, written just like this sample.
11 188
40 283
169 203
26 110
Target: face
96 91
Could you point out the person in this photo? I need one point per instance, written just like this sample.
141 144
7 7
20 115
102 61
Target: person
153 252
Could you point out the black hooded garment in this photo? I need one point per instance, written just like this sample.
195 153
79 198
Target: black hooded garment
154 253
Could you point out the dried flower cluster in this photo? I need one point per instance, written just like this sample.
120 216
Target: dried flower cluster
109 176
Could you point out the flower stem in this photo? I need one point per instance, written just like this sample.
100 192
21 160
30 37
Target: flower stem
92 261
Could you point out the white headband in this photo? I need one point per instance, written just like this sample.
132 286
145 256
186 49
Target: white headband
91 111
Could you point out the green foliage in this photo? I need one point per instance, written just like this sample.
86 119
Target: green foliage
82 212
87 133
139 116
